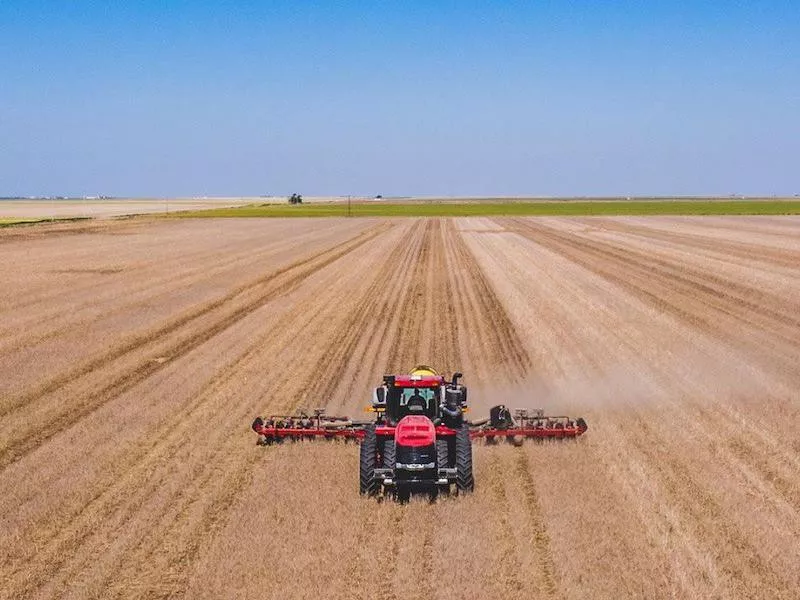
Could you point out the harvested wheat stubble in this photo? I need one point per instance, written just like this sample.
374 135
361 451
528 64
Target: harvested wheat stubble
134 356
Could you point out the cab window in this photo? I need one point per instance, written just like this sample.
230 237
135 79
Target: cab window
428 394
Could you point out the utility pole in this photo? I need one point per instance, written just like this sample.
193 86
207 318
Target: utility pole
348 206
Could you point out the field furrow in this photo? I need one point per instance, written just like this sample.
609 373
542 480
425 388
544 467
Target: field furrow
135 355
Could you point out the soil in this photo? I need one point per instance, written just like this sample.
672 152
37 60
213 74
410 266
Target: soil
135 354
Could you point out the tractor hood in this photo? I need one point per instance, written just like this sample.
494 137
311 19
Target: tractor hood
415 431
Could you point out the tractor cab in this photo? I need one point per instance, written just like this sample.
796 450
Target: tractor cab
410 395
423 393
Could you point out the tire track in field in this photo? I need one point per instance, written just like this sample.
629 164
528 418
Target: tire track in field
125 497
215 262
508 566
370 319
202 483
170 423
503 359
172 326
278 283
721 416
426 588
546 575
465 305
209 262
447 294
709 304
445 340
326 255
782 486
359 584
405 339
408 286
718 416
777 473
404 353
768 256
428 329
409 571
489 331
333 360
731 550
386 591
193 515
411 574
724 295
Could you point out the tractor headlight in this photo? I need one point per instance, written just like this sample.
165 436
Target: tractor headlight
415 466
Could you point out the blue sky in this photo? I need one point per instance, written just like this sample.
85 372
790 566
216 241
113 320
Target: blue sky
399 98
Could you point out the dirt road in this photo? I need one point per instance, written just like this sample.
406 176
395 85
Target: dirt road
134 356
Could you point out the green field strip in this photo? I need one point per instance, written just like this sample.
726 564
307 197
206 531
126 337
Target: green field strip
520 208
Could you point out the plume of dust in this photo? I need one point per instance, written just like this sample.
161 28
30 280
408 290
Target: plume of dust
689 375
572 395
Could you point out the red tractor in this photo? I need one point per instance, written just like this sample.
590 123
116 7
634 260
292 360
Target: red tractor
419 440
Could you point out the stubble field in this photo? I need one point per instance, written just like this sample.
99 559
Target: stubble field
135 354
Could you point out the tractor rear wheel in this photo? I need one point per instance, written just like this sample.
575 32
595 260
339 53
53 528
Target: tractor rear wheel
368 485
464 480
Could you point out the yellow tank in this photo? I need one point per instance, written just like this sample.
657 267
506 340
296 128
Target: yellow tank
423 370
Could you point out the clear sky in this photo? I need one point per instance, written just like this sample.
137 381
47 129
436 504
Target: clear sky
399 97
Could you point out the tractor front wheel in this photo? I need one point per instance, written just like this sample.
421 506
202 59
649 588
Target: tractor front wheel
389 454
442 453
368 485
